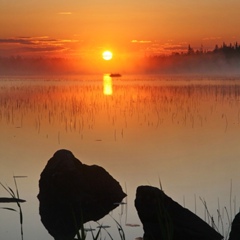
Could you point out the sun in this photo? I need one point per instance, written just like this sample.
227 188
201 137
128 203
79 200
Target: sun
107 55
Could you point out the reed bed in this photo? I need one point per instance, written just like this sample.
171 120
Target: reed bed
80 107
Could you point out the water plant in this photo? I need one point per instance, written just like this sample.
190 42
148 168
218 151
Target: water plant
96 233
224 216
15 198
82 233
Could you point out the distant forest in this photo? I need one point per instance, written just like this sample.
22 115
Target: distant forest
224 59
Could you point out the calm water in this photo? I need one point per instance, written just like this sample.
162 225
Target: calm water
184 131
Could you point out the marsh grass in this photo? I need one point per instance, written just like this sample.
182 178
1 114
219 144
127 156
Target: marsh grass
97 236
219 227
16 199
224 217
82 232
222 224
81 235
148 105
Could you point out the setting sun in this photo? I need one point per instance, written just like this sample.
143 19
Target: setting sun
107 55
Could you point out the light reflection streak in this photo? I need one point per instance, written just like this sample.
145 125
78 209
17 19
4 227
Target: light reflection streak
107 85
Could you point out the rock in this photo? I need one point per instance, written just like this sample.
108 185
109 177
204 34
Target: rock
235 229
72 193
163 218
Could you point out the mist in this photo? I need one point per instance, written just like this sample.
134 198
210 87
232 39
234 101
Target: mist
221 60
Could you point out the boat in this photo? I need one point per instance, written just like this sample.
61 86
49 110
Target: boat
115 75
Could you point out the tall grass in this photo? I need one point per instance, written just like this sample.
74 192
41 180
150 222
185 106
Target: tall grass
222 224
224 216
165 222
15 197
82 231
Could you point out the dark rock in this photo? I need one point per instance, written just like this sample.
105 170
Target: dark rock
165 219
235 229
72 193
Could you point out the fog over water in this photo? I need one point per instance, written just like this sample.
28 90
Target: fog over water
181 130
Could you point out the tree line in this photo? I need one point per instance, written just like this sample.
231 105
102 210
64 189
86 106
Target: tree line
222 59
228 50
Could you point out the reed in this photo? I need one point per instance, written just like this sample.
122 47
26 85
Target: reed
14 198
164 219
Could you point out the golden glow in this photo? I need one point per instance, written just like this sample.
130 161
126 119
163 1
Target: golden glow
107 85
200 23
107 55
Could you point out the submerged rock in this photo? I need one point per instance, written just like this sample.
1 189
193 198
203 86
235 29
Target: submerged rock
72 193
163 218
235 229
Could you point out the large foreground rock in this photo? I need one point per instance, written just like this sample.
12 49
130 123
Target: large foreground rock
235 229
165 219
72 193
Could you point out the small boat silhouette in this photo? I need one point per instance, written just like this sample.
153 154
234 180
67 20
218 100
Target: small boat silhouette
115 75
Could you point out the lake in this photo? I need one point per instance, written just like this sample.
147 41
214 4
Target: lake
182 132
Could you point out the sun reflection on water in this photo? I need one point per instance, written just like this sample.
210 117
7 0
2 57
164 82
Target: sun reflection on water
107 85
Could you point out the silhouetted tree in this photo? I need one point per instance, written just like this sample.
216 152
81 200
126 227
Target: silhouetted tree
190 50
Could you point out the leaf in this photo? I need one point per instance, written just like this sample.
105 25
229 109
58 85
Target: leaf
103 226
15 182
11 192
119 203
11 209
132 225
98 233
5 188
10 200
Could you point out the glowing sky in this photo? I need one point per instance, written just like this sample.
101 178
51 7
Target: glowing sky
77 28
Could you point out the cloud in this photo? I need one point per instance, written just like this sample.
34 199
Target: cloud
211 38
69 41
15 40
27 40
44 40
141 41
155 47
65 13
167 48
43 49
174 47
28 45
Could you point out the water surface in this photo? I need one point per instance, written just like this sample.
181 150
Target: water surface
182 131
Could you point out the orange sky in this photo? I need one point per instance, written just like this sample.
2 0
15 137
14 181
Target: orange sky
84 29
